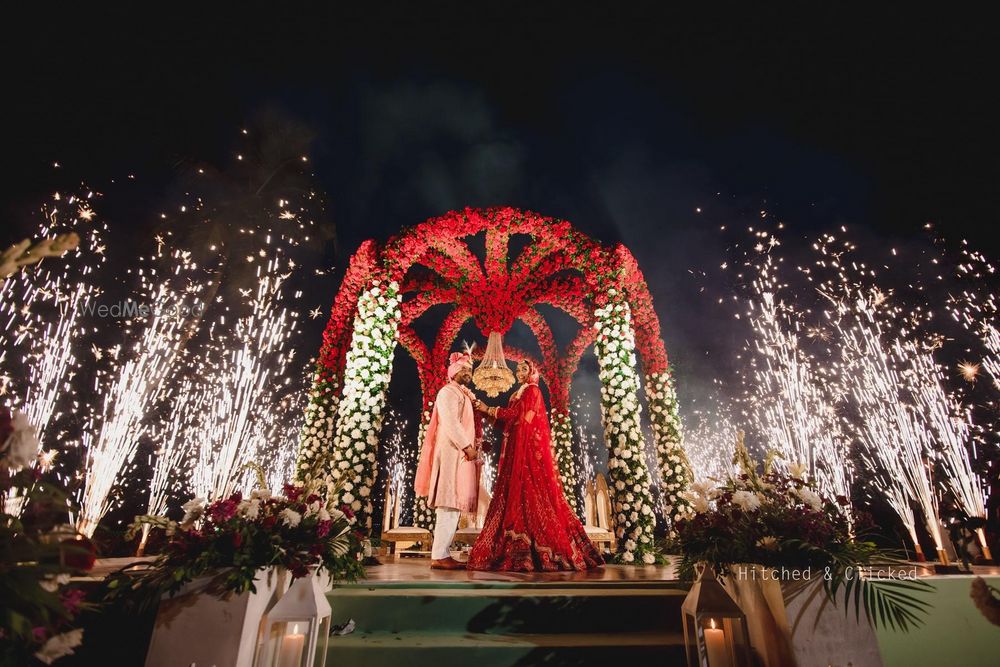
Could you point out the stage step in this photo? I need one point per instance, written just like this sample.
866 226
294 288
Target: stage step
498 650
504 624
510 611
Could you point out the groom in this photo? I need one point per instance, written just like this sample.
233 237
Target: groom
448 472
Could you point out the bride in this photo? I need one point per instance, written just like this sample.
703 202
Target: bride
529 526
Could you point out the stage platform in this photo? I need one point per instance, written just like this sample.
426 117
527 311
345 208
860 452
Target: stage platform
408 614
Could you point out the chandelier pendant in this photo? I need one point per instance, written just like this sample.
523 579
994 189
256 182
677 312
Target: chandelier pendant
493 375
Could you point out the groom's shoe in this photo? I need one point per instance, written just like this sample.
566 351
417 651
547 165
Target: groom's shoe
448 563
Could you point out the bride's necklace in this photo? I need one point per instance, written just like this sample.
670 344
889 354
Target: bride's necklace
520 390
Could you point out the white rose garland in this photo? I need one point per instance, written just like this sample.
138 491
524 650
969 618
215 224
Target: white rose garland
318 431
366 378
615 347
674 469
562 444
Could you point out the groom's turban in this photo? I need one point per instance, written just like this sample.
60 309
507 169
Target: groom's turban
457 362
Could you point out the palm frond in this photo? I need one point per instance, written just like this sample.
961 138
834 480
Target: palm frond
895 602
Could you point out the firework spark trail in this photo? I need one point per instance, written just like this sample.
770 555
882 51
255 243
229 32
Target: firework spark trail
400 465
53 362
709 444
42 306
991 338
794 409
489 475
952 425
133 388
976 308
591 444
241 383
284 428
895 439
172 438
979 319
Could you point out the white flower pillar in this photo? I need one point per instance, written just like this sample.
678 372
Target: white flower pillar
635 519
562 443
367 368
674 468
319 429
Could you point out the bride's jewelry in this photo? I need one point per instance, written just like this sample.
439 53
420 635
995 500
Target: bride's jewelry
520 390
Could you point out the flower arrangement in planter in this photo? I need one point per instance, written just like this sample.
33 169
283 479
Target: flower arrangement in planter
232 539
38 556
776 519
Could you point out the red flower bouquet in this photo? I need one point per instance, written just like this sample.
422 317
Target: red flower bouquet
233 538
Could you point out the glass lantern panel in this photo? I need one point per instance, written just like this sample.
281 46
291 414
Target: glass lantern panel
323 640
736 630
722 642
690 639
287 644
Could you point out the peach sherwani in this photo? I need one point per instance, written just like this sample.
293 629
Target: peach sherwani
444 477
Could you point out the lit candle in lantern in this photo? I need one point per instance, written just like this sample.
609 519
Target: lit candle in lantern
715 646
291 648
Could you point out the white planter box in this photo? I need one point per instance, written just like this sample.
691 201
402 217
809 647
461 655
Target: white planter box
197 628
789 629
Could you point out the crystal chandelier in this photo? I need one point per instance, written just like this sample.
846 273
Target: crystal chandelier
492 375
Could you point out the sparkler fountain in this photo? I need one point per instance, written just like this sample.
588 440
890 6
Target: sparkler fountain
41 309
791 397
400 465
865 373
133 386
247 365
895 439
950 423
795 411
709 442
172 438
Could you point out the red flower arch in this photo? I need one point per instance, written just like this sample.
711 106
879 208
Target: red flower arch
560 267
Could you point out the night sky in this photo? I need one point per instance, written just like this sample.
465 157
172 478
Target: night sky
623 122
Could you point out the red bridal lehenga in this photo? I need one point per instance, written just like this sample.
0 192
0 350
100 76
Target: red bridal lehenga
529 526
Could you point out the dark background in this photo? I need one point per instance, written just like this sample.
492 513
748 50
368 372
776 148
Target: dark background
623 121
